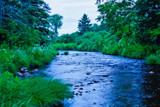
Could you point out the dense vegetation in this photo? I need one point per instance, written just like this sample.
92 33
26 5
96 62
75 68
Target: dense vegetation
15 92
14 59
25 23
128 28
26 33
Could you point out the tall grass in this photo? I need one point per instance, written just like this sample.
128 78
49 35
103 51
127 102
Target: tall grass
13 59
15 92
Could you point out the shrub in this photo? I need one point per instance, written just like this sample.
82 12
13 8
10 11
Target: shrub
68 38
62 46
57 53
66 53
153 59
91 41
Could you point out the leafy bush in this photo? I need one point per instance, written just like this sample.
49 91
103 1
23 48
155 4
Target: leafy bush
63 46
31 92
153 58
68 38
91 41
66 53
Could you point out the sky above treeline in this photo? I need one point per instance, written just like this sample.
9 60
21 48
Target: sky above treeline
72 11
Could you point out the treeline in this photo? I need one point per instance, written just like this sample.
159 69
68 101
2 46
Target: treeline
128 28
27 22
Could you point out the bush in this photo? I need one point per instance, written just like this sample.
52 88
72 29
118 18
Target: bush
57 53
91 41
153 59
31 92
68 38
66 53
63 46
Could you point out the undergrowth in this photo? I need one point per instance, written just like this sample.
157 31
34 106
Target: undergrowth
64 46
113 44
15 92
13 59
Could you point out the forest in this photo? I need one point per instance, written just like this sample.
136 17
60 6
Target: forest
29 39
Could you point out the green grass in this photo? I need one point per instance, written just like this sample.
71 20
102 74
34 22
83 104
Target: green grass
14 59
15 92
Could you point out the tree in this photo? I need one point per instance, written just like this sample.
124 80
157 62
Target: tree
84 24
117 16
149 19
29 18
96 27
56 22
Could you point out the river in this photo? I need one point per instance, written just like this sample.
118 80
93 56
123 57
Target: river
100 80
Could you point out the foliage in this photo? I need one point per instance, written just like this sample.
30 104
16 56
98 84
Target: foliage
134 19
154 58
147 12
25 23
14 59
95 27
84 24
68 38
63 46
107 44
66 53
31 92
91 41
56 22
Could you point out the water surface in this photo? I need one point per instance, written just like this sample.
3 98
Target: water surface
100 80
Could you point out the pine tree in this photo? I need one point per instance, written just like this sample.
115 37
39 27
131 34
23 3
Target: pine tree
84 24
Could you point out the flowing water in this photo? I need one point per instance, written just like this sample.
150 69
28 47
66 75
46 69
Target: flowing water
100 80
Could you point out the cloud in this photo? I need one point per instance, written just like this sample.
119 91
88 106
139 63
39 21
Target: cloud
72 11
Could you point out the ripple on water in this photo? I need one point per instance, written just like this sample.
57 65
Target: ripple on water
104 80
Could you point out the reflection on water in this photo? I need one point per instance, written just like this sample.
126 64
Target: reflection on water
103 80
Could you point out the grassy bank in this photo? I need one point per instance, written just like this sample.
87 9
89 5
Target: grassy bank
107 43
15 92
14 59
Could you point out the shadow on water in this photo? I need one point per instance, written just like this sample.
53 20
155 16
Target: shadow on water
100 80
151 87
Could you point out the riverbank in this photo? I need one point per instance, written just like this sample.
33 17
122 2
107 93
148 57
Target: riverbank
107 43
31 91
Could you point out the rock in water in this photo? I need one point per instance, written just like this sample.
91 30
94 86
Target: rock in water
23 69
151 72
19 74
34 71
26 74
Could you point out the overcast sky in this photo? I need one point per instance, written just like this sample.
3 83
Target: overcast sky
72 11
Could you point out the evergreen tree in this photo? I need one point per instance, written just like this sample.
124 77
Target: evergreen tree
84 24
